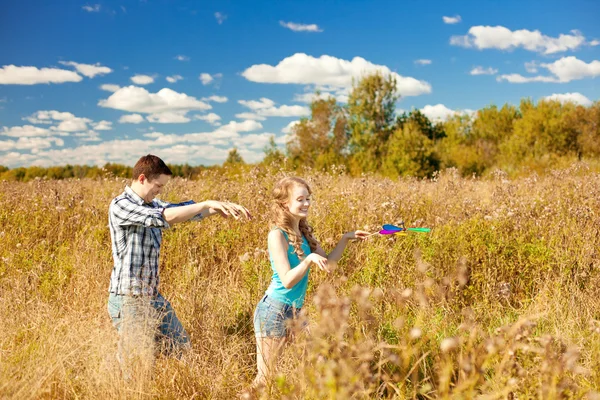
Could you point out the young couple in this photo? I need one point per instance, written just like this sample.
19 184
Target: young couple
144 319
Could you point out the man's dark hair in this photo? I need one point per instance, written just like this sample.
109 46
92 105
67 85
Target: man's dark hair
151 166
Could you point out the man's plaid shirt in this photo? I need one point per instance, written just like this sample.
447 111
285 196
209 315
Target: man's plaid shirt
136 233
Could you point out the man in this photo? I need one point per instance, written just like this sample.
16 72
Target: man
142 316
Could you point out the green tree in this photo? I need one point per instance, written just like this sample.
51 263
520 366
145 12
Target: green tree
321 140
410 153
233 158
371 107
541 136
272 153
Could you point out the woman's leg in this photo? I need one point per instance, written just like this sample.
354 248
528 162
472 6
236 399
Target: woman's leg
267 350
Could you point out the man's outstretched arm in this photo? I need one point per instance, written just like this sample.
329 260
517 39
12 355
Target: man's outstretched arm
207 208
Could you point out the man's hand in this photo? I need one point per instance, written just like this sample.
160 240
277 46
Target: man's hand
227 209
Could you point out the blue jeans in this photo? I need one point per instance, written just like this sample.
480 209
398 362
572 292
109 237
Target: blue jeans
271 318
146 325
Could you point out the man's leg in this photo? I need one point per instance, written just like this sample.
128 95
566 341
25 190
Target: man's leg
172 335
137 338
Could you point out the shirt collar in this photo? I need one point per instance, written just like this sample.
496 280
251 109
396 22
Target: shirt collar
134 196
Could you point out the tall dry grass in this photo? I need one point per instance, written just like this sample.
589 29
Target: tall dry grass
501 300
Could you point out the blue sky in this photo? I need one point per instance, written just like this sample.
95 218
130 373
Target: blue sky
109 81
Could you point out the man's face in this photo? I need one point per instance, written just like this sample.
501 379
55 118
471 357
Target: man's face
153 187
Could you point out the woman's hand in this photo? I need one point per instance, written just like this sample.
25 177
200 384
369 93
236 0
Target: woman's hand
357 235
319 261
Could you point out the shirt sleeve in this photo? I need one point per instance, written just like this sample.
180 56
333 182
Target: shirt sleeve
165 204
126 213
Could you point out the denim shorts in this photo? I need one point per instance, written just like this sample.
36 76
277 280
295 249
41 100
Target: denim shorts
272 316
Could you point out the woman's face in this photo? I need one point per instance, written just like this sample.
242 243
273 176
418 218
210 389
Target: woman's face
299 202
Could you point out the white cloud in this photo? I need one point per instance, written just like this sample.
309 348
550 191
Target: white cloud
211 118
139 100
25 131
30 143
571 68
576 98
288 128
595 42
13 75
307 97
174 78
89 70
499 37
517 78
194 148
339 94
250 115
181 57
131 119
68 121
92 8
110 87
89 136
300 27
207 78
301 68
563 70
220 17
266 108
531 67
142 79
423 61
452 20
479 70
440 112
102 125
216 99
169 117
75 124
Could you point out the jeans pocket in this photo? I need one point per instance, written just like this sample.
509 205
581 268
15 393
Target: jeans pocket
115 311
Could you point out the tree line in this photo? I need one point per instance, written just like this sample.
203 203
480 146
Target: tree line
365 135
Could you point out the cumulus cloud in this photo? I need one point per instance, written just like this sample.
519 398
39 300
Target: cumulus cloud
92 8
576 98
174 78
89 70
195 148
326 70
220 17
30 143
110 87
288 128
216 99
181 57
479 70
102 125
266 108
142 79
563 70
502 38
139 100
296 27
131 119
452 20
13 75
423 61
440 112
25 131
169 117
211 118
207 78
